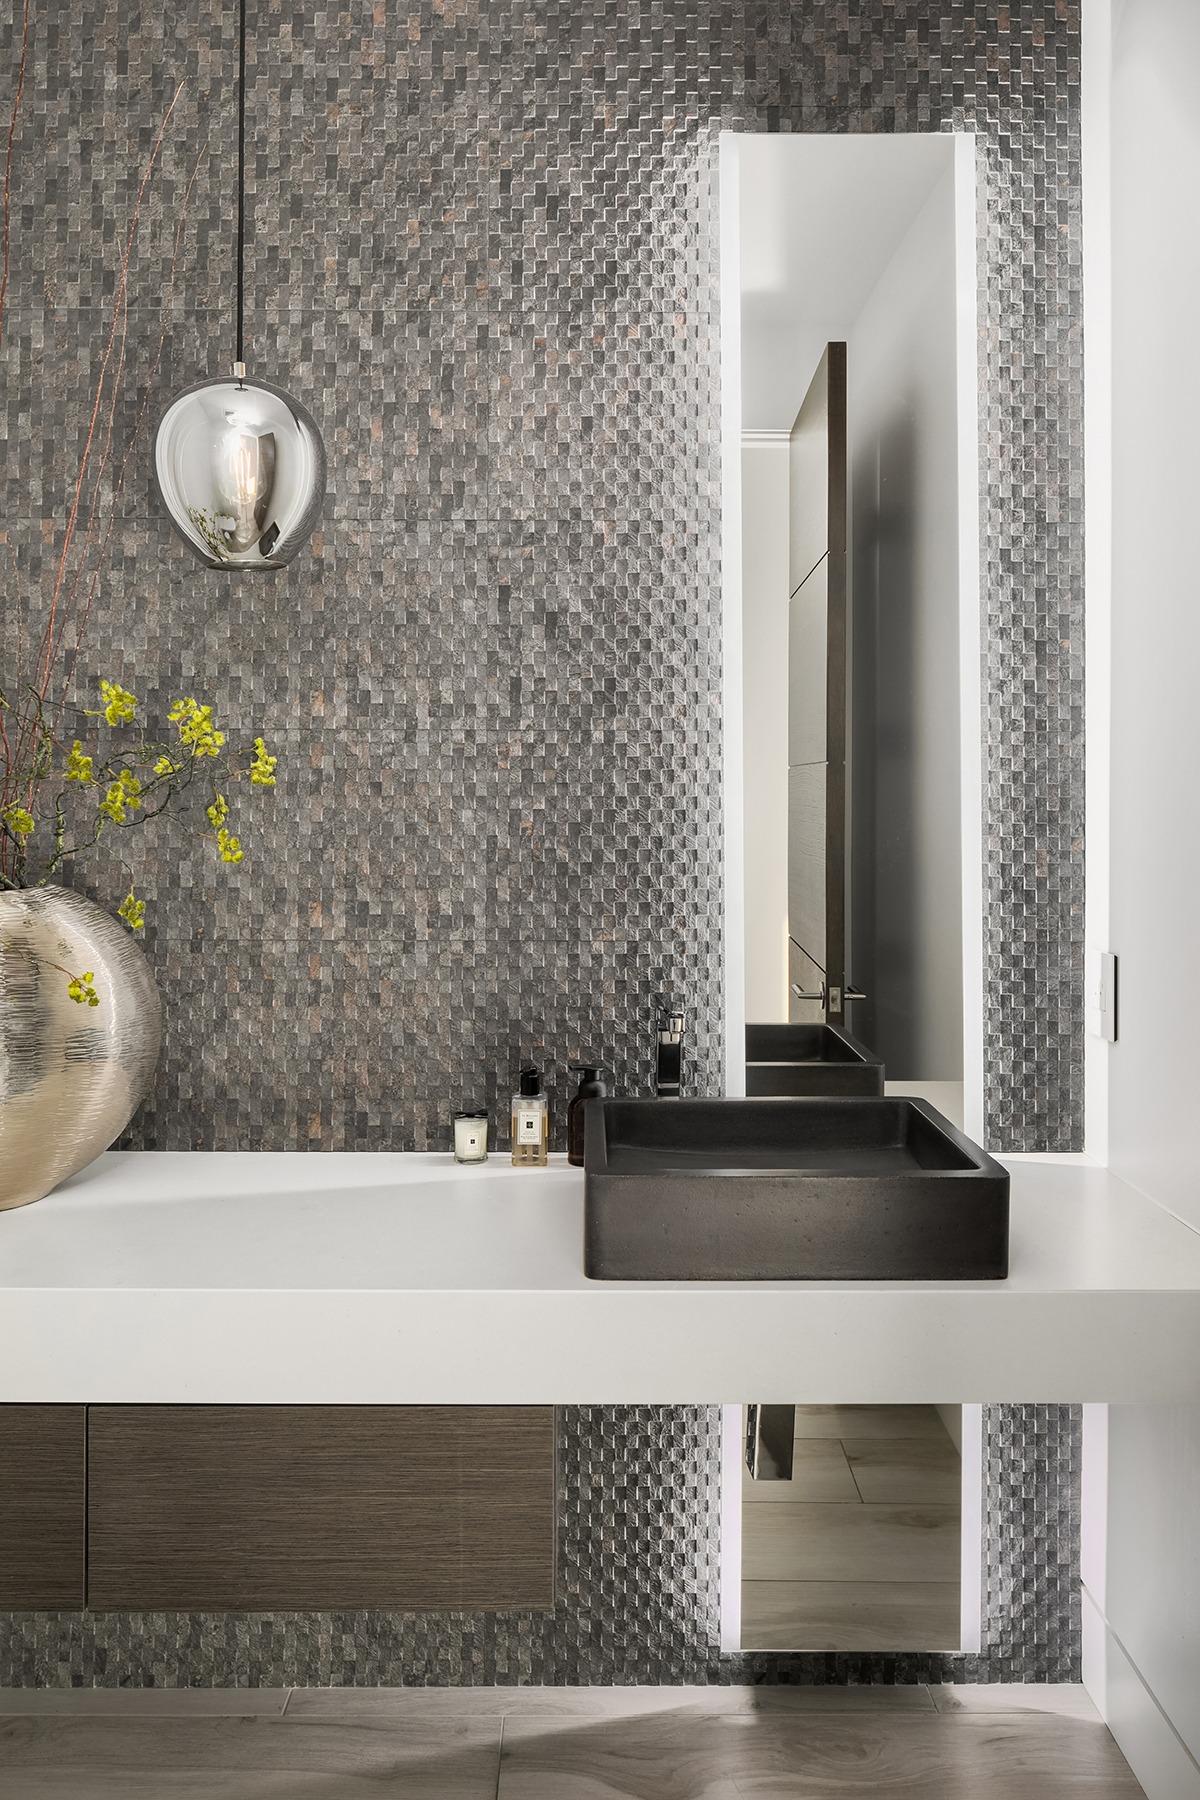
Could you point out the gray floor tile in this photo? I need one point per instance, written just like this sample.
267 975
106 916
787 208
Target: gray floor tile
670 1756
152 1703
600 1744
906 1471
258 1784
850 1615
452 1757
869 1421
779 1757
820 1471
804 1701
384 1705
1062 1699
818 1542
1018 1759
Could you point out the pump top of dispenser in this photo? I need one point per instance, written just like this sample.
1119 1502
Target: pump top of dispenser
530 1084
590 1085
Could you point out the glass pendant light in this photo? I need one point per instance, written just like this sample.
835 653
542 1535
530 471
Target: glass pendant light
240 463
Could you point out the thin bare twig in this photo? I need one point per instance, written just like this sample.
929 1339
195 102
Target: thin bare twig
139 421
43 665
8 155
77 571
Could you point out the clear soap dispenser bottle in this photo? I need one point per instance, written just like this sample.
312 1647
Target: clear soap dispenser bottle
530 1122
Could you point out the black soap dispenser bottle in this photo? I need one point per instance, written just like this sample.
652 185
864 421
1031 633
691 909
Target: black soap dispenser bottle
590 1088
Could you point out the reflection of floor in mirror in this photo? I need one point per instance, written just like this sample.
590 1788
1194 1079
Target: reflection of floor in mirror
860 1550
945 1097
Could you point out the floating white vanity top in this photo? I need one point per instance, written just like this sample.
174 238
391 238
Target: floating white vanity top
388 1278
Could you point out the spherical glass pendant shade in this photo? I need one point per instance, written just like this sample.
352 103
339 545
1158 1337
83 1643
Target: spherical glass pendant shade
241 467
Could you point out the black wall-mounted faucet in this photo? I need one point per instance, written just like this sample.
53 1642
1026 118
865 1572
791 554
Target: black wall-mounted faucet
668 1055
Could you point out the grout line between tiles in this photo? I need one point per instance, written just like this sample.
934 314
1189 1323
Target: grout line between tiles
850 1466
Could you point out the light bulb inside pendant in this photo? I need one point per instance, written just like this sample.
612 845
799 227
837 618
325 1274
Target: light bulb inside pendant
241 469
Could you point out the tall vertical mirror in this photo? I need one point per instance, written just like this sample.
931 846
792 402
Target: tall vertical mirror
851 447
850 389
852 1528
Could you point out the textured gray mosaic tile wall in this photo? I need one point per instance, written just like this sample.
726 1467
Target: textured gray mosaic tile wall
638 1587
483 249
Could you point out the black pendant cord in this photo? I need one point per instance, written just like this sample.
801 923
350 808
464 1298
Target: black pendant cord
241 212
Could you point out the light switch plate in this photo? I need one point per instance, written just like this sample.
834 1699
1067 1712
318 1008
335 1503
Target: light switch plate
1106 995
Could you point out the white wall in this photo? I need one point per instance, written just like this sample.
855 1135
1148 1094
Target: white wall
820 215
906 918
765 723
1154 1069
1153 1573
1143 1604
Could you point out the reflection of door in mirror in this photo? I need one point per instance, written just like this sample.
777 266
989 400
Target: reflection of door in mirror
816 822
856 387
858 1546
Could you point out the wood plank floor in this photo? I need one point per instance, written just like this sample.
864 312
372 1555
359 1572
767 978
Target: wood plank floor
871 1615
860 1550
562 1744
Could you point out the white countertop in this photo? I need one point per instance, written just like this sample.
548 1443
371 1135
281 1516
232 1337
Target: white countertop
388 1278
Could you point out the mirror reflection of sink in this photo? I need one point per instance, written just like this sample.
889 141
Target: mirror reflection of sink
842 1189
809 1059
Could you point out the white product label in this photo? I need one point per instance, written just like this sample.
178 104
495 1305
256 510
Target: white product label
529 1126
470 1139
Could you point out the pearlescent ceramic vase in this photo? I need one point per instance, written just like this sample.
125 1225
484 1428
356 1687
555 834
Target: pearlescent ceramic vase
71 1076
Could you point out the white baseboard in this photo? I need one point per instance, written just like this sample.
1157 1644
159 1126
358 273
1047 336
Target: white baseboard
732 1450
970 1450
1148 1741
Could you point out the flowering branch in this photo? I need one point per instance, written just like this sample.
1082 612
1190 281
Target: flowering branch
94 793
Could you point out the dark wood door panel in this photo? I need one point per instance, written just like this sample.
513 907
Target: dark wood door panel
43 1452
808 824
258 1508
808 662
817 680
818 470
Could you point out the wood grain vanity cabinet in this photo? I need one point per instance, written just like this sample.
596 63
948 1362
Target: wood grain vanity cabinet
308 1508
43 1461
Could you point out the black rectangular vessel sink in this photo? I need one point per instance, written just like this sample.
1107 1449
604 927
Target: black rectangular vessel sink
843 1189
809 1059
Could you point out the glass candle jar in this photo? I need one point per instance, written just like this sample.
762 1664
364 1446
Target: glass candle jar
470 1136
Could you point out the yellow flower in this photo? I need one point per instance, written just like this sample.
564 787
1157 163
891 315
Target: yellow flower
229 846
133 912
196 727
119 706
80 988
218 812
79 766
164 766
262 769
125 792
18 820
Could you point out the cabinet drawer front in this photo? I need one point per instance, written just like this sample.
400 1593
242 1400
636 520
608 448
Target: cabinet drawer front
306 1508
42 1462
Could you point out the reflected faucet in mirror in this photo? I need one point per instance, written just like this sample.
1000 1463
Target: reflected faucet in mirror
668 1055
